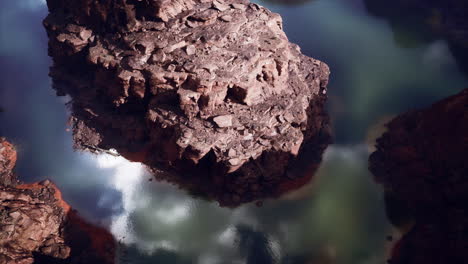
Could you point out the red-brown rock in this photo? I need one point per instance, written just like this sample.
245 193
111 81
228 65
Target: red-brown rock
210 93
7 163
38 226
422 161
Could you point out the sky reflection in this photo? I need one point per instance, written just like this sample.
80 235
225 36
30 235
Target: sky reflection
323 224
338 218
372 74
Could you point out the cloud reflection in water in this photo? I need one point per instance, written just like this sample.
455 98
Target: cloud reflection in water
338 222
337 219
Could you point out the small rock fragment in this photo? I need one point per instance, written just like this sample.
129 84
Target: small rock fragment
219 5
223 121
226 18
232 153
190 50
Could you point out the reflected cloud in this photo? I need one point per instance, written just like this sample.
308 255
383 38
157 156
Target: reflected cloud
372 75
173 215
158 216
32 4
415 23
341 219
438 56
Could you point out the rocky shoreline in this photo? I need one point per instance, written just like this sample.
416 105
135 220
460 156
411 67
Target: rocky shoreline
38 226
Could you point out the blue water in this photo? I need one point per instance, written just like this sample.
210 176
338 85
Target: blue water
338 218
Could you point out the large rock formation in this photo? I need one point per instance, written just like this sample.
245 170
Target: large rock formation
38 226
422 161
209 92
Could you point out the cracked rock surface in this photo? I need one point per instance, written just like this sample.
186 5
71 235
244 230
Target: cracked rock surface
30 222
7 163
38 226
422 161
208 94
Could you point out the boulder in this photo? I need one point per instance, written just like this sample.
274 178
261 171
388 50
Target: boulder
7 163
38 226
209 94
422 162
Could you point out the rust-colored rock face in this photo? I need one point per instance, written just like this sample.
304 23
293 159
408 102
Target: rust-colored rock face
422 160
38 226
7 163
30 222
209 93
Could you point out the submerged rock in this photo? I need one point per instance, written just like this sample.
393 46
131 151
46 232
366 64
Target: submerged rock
38 226
208 94
422 161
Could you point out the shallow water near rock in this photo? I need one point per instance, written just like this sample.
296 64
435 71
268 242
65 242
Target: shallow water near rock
338 218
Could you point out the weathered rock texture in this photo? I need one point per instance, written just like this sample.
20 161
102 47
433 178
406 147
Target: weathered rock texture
7 163
429 20
37 226
210 92
30 222
422 160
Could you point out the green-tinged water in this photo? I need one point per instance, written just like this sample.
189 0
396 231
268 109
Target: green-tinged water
377 71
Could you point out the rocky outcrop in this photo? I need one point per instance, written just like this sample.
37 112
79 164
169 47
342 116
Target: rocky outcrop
425 151
7 163
421 160
209 94
427 21
38 226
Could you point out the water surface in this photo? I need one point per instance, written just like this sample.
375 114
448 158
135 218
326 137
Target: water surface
338 218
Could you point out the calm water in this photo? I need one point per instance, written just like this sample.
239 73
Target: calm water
338 218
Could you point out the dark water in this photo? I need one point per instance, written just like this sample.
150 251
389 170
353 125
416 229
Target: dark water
338 218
